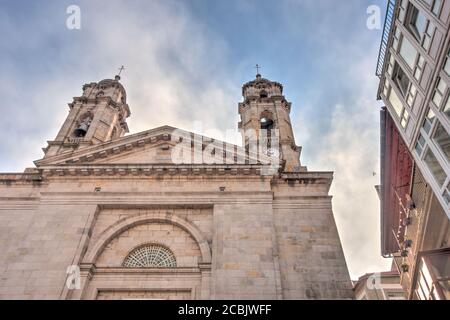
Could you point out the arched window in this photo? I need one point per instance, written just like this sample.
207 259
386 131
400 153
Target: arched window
150 256
266 120
267 125
83 125
263 94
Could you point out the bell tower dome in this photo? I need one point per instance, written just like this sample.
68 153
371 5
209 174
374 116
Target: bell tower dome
98 115
265 112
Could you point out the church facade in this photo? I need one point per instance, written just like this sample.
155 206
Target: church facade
169 214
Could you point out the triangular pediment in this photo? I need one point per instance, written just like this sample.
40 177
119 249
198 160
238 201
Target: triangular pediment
148 154
163 145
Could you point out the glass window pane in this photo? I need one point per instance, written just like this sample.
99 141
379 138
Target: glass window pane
437 7
427 126
424 290
434 295
445 285
437 99
447 196
401 16
420 294
426 43
428 122
427 275
406 114
422 140
401 79
440 265
441 86
409 101
447 108
447 67
431 116
435 168
404 122
442 139
390 70
418 149
430 29
421 61
408 53
396 103
417 74
419 21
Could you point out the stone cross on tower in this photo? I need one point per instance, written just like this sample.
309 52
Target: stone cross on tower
121 69
257 68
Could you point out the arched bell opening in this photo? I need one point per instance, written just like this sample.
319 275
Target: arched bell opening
263 94
267 126
83 126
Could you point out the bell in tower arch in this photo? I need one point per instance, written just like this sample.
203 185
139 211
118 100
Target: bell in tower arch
83 127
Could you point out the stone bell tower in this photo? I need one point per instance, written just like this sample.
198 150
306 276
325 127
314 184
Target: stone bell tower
266 112
98 116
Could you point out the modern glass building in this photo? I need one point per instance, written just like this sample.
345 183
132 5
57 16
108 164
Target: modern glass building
414 72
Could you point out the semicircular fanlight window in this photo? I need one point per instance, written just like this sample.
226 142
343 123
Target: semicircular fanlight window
150 256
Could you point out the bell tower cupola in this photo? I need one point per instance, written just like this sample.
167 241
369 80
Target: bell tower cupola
266 112
98 115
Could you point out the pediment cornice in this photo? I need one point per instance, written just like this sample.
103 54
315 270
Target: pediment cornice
158 136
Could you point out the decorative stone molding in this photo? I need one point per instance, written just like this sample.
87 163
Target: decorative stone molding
305 178
261 83
151 137
149 271
122 225
149 170
34 178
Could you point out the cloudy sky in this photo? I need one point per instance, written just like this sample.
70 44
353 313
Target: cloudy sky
187 60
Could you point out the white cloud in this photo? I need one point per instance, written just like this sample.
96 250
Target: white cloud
173 73
350 147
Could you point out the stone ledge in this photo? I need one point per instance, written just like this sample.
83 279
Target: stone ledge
147 271
149 170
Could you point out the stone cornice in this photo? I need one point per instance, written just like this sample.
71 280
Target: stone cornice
297 176
149 170
27 178
261 81
44 174
105 99
301 178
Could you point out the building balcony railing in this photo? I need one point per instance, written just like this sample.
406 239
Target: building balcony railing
388 23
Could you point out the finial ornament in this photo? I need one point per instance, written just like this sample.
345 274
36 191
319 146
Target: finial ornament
120 71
